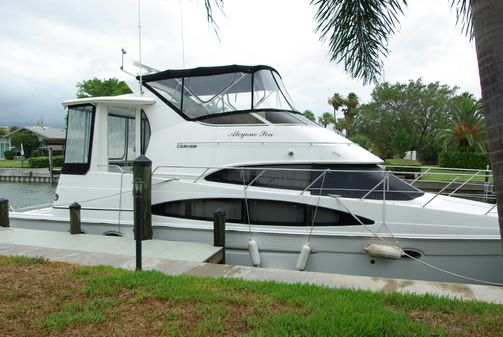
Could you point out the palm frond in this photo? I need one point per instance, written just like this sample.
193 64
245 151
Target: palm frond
358 32
463 10
209 14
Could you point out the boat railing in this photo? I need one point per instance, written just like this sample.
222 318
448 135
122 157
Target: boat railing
474 184
464 183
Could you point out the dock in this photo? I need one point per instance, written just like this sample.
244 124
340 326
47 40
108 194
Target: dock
182 258
19 241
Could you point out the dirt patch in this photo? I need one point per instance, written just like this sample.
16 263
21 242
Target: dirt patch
457 324
32 293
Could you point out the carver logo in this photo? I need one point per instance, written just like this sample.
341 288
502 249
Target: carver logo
186 146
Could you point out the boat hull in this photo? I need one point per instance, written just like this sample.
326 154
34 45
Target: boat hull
438 259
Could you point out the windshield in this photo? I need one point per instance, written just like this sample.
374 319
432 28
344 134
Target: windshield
207 96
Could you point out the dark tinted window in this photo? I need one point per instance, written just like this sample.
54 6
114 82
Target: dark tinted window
262 212
350 181
279 117
235 118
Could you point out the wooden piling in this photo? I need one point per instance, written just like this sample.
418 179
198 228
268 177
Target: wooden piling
75 218
142 169
4 213
219 231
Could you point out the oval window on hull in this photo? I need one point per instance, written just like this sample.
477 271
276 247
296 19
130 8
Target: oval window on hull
261 212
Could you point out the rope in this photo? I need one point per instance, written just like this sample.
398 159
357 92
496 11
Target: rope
246 204
316 208
413 258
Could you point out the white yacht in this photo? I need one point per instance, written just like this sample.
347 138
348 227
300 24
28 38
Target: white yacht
296 195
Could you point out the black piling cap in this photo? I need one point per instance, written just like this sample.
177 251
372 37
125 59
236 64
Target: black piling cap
75 205
219 212
141 160
4 201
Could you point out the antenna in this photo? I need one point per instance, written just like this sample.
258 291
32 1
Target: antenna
123 51
181 28
139 45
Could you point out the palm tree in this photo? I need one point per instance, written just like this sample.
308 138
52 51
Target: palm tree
336 101
358 32
467 130
325 119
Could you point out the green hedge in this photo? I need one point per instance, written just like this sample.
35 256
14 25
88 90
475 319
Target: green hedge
38 162
463 159
8 155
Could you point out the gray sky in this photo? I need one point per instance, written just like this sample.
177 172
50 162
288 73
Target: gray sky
47 46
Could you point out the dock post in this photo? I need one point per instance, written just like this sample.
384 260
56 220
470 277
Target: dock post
142 169
51 171
138 219
75 218
4 212
219 231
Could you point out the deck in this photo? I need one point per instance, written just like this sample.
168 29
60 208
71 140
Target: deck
100 244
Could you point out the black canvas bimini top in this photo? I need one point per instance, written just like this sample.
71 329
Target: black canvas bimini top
203 71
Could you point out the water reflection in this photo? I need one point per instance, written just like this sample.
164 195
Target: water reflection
27 194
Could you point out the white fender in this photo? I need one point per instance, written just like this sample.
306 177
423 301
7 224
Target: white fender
384 251
254 253
303 257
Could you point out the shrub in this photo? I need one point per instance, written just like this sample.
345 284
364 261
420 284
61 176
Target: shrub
35 153
39 162
8 155
428 153
58 161
44 161
463 159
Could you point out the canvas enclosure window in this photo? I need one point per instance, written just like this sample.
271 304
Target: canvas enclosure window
121 134
78 139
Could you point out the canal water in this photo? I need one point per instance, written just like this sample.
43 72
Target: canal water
27 194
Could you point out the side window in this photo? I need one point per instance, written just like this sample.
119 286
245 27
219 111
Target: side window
79 135
269 212
145 132
262 212
121 135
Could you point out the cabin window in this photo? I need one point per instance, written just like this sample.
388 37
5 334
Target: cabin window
349 181
262 212
170 90
121 134
78 139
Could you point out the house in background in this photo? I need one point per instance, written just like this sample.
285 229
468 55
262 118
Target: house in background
50 138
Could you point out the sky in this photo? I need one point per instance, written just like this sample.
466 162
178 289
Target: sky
48 46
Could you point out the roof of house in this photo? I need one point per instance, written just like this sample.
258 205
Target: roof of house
42 131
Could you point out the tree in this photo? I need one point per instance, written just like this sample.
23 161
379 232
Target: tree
336 101
29 140
326 119
467 130
106 87
404 115
359 30
309 115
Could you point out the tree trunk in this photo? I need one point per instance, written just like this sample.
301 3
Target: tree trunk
488 29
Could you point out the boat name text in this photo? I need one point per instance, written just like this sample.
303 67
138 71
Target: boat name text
241 135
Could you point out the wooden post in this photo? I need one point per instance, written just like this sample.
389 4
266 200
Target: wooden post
75 218
51 171
219 231
142 169
4 212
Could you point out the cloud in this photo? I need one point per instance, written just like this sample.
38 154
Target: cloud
49 46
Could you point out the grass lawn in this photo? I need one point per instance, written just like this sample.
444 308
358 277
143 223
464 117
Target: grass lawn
438 174
13 163
41 298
